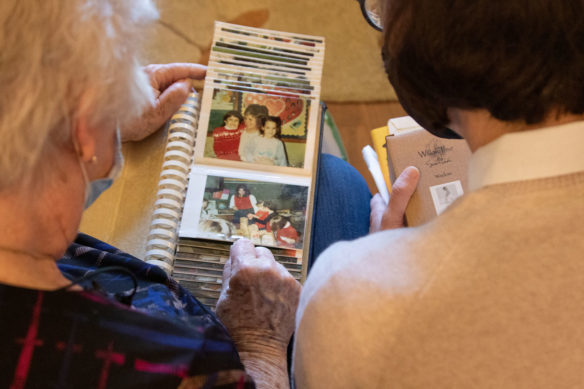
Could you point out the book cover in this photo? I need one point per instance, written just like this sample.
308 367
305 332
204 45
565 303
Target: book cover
443 170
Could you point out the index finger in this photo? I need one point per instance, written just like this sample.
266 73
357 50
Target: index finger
169 73
242 247
242 250
377 204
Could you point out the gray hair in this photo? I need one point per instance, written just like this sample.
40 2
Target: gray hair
54 52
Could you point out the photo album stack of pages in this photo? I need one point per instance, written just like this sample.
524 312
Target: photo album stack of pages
244 164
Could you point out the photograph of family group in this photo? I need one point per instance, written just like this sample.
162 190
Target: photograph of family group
267 213
257 128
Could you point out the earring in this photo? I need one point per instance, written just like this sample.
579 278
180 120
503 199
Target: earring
93 159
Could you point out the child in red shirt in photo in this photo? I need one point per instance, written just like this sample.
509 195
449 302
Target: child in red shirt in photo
263 215
226 139
286 235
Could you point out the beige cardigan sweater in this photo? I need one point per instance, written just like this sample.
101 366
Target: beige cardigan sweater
488 295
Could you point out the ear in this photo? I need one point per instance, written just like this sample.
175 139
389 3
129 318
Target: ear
83 135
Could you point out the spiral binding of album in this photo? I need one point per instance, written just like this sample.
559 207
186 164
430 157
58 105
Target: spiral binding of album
172 186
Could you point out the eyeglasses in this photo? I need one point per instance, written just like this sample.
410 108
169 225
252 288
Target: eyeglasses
371 10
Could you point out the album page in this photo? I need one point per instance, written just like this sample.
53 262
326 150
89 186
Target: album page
255 154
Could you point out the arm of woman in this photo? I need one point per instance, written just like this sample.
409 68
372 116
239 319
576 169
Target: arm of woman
241 147
232 203
215 138
258 305
280 158
254 203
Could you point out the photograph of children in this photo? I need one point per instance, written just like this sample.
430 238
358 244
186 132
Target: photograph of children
267 213
273 130
227 137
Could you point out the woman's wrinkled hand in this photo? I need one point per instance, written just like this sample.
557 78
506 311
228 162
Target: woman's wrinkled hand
171 84
388 216
258 301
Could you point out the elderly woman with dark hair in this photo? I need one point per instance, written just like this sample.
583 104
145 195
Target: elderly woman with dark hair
489 293
72 92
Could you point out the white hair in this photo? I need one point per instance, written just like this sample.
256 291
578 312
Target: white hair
53 52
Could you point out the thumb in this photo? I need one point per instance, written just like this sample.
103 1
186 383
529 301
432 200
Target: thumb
401 191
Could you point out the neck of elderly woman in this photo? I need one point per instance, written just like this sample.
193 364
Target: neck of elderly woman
39 218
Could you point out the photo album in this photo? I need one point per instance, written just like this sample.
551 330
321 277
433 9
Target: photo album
240 159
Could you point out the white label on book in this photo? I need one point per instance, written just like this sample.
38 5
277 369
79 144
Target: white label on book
444 194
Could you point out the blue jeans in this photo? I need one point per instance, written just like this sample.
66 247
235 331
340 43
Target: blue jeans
341 208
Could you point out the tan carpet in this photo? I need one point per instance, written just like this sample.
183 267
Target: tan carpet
352 71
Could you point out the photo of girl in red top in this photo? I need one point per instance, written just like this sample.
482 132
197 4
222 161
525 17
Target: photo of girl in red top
226 139
243 202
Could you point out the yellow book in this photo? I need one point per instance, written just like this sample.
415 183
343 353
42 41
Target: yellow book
378 138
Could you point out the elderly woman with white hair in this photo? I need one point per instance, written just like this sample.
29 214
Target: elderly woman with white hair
72 91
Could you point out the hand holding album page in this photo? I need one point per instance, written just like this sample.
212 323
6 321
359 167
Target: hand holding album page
251 173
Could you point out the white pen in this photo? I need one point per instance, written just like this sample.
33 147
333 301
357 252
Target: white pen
370 157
